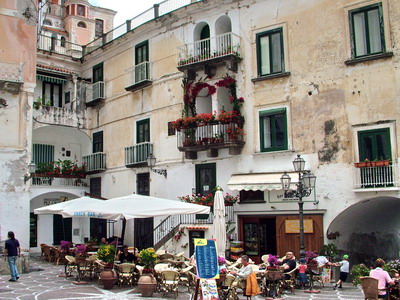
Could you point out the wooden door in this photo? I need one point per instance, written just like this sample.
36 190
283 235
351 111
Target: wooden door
287 241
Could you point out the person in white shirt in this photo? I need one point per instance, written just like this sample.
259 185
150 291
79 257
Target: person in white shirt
344 271
243 273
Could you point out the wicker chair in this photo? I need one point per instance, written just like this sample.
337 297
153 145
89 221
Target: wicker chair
169 282
370 288
126 274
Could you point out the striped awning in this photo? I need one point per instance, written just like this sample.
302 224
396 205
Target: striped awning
51 79
259 181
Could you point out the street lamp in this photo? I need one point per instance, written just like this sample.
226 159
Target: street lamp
151 162
32 170
304 188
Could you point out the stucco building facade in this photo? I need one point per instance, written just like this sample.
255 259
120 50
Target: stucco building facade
316 78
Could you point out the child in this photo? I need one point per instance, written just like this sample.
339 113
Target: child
344 271
302 272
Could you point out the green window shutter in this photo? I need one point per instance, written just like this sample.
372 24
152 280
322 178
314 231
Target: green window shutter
374 144
273 130
143 131
42 153
367 30
270 54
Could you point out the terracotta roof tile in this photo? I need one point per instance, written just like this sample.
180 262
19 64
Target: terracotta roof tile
54 69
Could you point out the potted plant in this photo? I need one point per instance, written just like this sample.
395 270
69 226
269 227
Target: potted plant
38 103
147 283
80 250
235 133
273 262
230 199
106 253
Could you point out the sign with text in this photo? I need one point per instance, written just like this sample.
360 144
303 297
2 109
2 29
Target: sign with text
209 289
206 258
293 226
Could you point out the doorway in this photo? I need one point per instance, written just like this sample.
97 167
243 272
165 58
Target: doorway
62 229
258 235
194 234
143 231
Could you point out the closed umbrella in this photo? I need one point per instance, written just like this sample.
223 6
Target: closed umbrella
219 223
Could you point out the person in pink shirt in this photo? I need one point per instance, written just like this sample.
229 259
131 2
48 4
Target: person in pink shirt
382 276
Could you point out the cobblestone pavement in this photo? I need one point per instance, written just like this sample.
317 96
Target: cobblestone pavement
44 282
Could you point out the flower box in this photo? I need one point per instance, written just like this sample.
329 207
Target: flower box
382 163
362 164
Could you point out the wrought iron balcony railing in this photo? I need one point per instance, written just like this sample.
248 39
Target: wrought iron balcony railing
95 92
95 162
137 154
59 46
215 135
139 76
377 177
227 44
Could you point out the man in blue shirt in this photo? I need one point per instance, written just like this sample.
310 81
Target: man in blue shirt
12 252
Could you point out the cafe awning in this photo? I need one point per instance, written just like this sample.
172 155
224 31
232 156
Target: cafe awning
259 181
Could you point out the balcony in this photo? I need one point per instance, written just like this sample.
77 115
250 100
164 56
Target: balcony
210 138
62 181
59 116
63 47
11 77
221 49
139 77
375 178
95 163
136 155
95 93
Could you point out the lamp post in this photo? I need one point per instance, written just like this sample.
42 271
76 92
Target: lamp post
151 162
304 188
32 170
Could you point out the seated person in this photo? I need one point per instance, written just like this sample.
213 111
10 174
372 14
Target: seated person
243 273
125 256
288 264
382 276
103 241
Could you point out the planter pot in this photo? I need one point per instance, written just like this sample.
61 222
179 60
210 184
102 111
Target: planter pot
360 164
147 285
108 278
382 163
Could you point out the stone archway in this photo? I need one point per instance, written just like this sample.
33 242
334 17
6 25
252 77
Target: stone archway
368 229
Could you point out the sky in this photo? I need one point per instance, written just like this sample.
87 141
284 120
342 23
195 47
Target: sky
126 9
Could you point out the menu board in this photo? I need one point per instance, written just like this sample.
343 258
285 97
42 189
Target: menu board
206 258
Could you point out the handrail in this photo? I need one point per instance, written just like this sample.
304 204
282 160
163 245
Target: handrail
170 223
156 11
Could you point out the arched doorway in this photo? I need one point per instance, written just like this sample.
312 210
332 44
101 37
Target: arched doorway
368 229
201 38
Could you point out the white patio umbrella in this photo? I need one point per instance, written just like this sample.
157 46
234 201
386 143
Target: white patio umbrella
134 206
58 208
219 233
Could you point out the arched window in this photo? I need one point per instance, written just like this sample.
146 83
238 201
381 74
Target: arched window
47 22
82 24
202 40
62 39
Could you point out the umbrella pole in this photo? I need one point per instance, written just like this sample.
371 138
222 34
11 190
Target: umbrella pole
123 229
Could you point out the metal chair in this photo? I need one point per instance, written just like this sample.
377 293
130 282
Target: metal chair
169 282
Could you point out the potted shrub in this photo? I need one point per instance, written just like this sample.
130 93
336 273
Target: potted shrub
106 253
147 283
